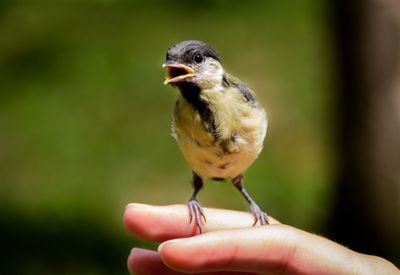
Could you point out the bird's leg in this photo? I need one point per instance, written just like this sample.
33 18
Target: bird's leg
258 214
195 210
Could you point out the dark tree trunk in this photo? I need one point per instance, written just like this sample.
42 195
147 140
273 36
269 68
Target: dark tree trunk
366 213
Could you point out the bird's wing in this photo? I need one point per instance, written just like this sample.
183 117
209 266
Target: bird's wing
248 94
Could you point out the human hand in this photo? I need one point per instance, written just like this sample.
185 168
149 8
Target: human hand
230 245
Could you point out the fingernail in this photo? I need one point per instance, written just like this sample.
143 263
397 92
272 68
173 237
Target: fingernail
133 250
138 251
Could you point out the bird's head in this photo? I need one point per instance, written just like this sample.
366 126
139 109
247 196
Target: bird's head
193 62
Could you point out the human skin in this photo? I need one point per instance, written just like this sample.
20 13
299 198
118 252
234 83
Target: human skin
231 245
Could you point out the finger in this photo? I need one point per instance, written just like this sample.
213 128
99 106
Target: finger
143 262
160 223
146 262
265 249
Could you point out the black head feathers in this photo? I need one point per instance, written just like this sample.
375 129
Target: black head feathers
190 51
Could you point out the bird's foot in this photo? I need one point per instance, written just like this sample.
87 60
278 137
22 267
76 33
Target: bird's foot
258 214
196 213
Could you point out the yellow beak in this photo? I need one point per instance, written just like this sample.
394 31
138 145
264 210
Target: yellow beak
176 72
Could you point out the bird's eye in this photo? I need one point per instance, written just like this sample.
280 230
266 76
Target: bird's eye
198 58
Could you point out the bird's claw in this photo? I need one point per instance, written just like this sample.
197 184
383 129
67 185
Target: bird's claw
196 212
258 214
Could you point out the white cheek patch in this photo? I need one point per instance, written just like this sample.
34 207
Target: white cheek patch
211 75
214 69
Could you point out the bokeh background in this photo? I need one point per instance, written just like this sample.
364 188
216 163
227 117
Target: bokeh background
85 122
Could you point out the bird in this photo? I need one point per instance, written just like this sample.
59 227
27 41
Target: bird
218 124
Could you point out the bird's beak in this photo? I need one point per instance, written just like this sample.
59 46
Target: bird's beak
176 72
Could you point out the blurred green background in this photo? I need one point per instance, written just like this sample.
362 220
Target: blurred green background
85 120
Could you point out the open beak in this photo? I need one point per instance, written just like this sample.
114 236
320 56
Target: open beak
176 72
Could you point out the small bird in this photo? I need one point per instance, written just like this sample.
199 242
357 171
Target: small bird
217 122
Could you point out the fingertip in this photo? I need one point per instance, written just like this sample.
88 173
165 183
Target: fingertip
133 258
170 256
129 263
190 254
158 223
131 217
170 245
136 220
147 262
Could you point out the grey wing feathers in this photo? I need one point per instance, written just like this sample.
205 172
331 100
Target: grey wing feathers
248 94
